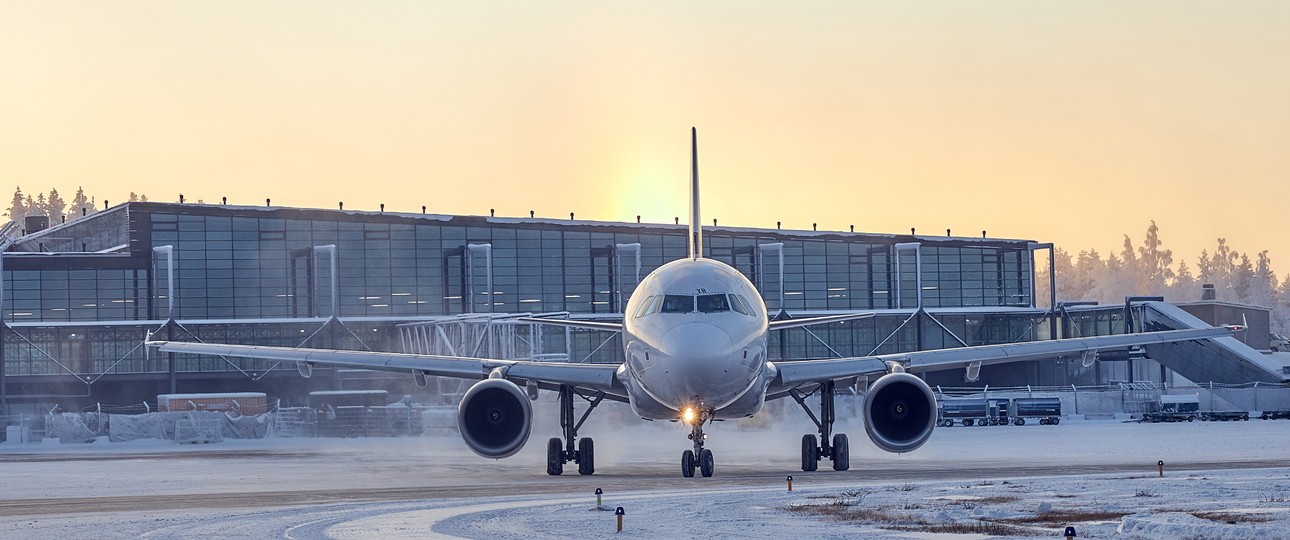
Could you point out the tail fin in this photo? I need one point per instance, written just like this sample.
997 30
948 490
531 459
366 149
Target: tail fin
696 226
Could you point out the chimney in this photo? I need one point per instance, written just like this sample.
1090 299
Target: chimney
1207 292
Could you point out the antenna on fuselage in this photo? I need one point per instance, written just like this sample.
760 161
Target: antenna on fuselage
696 225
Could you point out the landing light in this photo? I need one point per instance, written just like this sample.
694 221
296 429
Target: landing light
687 415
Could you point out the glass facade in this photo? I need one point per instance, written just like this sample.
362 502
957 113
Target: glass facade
79 298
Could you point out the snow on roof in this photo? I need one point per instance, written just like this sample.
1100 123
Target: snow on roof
346 392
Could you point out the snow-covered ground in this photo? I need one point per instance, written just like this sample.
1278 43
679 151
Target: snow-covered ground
1221 480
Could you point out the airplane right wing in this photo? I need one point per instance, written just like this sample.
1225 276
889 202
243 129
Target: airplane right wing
794 373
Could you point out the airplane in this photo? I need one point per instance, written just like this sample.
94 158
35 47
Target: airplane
694 334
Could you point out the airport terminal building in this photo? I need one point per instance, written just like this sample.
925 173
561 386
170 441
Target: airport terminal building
80 298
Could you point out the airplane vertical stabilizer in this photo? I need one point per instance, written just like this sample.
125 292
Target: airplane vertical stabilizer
696 226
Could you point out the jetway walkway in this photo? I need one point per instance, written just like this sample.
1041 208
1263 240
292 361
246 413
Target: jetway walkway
1222 360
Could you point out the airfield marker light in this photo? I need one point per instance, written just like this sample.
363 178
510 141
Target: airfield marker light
620 513
382 208
181 198
598 494
790 482
267 202
1161 464
224 201
1070 533
342 205
492 212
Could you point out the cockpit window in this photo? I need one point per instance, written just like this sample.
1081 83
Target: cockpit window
678 303
713 303
644 307
656 305
738 303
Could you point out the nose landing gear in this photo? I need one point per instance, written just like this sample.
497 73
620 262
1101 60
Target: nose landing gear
699 458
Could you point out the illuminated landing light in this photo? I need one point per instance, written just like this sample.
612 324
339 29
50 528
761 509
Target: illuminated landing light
688 415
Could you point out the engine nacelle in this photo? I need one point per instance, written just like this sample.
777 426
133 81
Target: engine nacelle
899 412
495 418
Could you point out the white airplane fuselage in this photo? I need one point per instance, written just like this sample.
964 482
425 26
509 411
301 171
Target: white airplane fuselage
694 334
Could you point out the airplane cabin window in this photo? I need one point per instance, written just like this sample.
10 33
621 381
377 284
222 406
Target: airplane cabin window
713 303
678 303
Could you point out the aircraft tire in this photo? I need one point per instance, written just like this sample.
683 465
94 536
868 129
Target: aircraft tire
687 464
554 457
586 456
706 463
810 453
841 452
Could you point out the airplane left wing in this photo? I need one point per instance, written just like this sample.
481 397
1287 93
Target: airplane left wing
600 377
811 321
794 373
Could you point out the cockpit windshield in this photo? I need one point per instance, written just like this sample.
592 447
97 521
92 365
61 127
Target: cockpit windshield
678 303
712 303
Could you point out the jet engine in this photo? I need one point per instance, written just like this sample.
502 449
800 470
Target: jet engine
899 412
495 418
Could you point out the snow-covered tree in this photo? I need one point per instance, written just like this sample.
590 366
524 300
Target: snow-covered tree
17 208
56 207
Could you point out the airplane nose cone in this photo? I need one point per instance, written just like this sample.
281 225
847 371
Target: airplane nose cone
697 342
701 355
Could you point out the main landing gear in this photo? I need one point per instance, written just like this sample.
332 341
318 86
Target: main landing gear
699 458
839 452
560 452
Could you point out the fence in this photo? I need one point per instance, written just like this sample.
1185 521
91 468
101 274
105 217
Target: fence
1136 398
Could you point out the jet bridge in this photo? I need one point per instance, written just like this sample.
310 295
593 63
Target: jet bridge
1220 360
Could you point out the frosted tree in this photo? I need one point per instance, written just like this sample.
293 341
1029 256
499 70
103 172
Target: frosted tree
1155 263
40 206
17 208
1184 286
80 201
1262 287
56 206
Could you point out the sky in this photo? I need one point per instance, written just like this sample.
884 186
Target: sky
1066 122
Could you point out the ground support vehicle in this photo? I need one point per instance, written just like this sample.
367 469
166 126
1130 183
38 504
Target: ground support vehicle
1047 410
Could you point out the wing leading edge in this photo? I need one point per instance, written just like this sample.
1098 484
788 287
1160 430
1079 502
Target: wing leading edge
602 377
791 374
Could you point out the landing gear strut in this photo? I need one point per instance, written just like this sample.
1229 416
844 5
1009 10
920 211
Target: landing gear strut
560 452
700 457
839 452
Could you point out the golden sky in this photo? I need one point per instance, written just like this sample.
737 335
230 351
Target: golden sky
1066 122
